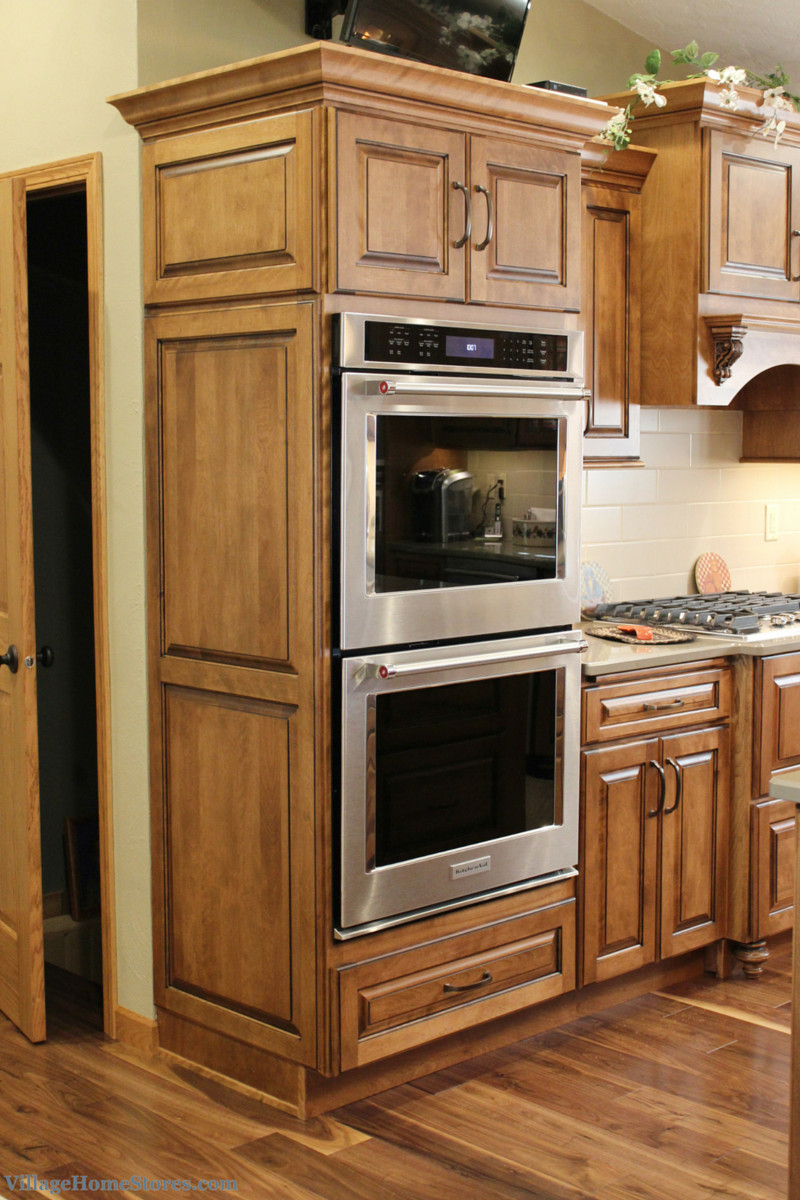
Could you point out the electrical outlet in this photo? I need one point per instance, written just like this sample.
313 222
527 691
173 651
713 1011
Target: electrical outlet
770 522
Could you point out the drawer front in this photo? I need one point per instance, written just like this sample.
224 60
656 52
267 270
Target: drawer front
649 705
777 745
391 1004
775 833
230 211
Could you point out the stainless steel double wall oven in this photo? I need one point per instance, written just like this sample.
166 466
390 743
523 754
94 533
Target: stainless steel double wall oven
457 561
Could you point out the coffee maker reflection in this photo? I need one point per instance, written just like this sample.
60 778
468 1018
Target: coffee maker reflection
441 505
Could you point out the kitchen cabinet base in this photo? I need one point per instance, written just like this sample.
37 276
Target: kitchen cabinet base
752 956
305 1093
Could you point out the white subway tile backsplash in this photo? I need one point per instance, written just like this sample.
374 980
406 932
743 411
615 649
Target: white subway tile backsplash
666 449
648 527
602 524
621 487
690 485
654 521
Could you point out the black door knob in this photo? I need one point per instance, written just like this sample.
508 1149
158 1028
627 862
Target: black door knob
10 659
45 657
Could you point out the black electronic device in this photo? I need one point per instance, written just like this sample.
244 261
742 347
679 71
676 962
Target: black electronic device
481 37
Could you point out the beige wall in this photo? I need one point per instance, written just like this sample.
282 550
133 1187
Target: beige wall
59 59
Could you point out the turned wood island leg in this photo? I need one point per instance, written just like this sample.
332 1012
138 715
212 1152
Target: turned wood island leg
752 956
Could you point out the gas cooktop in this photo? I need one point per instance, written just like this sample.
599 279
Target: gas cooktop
745 615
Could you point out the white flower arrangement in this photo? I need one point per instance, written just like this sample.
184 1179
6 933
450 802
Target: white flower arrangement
774 87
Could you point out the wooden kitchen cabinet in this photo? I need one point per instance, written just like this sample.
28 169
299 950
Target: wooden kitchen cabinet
611 256
719 234
654 827
441 214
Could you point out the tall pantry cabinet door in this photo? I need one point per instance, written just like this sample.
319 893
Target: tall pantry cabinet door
526 226
694 835
401 208
620 847
230 564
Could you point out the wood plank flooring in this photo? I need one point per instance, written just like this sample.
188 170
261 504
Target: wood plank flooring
679 1095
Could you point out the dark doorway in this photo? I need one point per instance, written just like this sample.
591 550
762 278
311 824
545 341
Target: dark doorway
61 463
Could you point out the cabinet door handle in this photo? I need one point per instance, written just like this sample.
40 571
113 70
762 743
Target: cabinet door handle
468 987
489 217
648 707
795 234
678 785
462 241
10 659
662 791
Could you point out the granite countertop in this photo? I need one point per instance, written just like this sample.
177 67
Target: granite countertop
786 786
606 658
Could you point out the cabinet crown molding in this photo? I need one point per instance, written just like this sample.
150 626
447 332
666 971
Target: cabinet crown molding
331 71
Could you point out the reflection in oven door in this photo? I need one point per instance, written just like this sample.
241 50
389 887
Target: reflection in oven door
459 774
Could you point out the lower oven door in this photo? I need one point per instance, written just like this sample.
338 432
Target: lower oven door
459 774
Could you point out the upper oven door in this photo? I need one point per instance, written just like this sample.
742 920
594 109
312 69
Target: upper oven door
424 552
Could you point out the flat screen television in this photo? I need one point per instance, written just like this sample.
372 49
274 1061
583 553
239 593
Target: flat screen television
478 36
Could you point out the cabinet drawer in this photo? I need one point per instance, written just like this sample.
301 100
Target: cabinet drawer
652 703
230 211
399 1001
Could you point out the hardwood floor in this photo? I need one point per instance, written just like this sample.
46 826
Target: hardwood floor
679 1095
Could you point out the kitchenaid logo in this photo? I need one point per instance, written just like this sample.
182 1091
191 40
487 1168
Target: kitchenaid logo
473 867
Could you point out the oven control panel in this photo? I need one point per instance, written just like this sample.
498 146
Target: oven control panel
414 344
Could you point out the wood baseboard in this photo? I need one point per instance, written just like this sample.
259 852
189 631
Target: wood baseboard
141 1033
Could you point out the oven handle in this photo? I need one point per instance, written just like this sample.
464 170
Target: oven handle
392 671
462 387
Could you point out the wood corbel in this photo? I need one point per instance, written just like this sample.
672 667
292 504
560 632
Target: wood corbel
727 334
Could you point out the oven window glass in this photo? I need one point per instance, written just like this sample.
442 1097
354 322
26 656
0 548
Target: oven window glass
465 763
441 517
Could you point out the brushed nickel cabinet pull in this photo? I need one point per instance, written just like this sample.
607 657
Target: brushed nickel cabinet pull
489 217
662 792
795 278
678 786
648 707
468 987
462 241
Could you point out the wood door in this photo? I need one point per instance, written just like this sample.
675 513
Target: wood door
526 216
694 839
21 949
611 300
777 737
620 846
399 213
754 209
774 833
231 211
231 611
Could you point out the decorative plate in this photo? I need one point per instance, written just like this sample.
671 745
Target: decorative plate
595 585
711 574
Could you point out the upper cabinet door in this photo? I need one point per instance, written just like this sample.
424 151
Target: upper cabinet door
525 246
754 211
230 211
399 213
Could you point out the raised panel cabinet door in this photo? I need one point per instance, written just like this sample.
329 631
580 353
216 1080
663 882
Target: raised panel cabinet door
754 213
694 835
231 613
230 211
775 833
526 218
611 297
402 208
621 798
778 743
